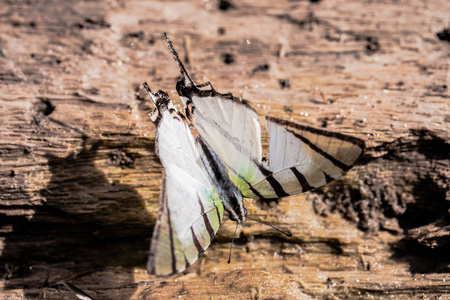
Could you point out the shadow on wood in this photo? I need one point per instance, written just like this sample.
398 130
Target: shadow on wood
86 224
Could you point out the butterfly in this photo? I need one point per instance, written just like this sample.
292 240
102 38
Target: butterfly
214 172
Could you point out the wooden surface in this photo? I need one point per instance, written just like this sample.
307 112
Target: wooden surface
80 180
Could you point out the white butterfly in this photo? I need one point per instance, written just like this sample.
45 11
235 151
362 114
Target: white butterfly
213 172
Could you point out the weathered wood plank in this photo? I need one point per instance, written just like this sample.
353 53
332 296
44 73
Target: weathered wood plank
80 179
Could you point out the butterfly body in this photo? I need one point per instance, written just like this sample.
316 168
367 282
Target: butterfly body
232 199
214 172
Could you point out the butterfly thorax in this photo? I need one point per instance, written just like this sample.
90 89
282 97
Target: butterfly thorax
228 192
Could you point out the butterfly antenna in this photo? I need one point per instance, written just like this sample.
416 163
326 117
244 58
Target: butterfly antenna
232 241
274 227
149 92
187 80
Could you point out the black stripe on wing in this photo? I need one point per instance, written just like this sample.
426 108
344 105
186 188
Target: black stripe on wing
336 135
192 91
276 186
302 180
252 189
172 244
196 242
163 212
208 225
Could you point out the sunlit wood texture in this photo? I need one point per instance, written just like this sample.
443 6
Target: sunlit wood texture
80 179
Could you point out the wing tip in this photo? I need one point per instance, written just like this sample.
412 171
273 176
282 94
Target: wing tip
151 268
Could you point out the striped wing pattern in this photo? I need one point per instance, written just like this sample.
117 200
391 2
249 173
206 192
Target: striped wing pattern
303 158
188 220
190 211
231 127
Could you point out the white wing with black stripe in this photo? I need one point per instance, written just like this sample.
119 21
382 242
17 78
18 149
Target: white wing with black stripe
228 124
231 128
302 158
189 217
190 211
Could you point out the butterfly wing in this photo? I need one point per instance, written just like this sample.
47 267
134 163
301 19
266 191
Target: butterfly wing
228 124
190 211
188 220
303 158
231 127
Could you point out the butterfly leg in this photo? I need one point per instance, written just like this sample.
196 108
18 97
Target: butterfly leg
205 85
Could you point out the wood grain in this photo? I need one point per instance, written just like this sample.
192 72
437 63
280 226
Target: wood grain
80 179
